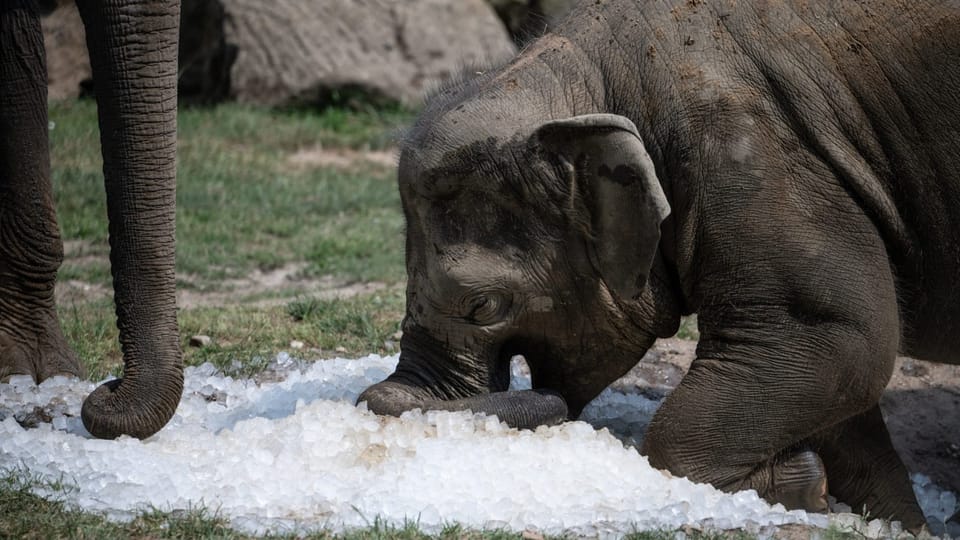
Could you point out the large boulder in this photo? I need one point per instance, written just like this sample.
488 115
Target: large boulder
303 51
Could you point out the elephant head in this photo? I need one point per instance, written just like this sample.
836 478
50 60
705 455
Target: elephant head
538 243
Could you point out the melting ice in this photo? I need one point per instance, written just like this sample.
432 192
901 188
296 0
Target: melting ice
290 452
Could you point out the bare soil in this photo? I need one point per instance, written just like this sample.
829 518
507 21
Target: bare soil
275 286
258 288
921 406
342 158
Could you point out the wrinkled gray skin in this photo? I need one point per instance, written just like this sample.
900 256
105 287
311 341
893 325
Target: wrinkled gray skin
133 51
787 170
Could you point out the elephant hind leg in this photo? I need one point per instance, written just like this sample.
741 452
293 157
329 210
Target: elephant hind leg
796 479
865 471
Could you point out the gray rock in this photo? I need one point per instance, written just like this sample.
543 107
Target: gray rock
200 340
302 51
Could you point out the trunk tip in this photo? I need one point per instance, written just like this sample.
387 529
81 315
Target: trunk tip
114 409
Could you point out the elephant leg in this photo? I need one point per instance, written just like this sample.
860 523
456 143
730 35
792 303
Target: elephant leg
795 478
731 426
802 337
31 340
865 471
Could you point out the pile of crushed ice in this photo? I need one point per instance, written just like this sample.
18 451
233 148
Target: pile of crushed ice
290 452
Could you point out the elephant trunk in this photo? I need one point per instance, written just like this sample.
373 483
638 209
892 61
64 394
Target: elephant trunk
133 52
459 385
522 409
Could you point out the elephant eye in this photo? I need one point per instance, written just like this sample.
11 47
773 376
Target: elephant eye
485 309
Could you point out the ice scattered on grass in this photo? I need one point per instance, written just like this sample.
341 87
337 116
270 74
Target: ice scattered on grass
290 451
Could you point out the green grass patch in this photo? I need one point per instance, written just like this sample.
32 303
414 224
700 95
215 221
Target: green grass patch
92 330
27 515
241 203
688 328
294 128
246 338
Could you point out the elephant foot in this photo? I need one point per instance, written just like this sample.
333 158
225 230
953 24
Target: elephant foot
796 479
35 347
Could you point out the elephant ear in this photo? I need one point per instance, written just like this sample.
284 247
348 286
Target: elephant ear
613 181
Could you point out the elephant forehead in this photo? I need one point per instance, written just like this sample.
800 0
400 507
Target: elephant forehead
458 143
480 217
434 172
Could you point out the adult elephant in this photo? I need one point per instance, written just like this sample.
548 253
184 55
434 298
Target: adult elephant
133 51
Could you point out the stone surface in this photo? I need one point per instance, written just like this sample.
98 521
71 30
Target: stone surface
299 51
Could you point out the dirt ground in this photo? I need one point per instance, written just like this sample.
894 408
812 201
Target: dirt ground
921 406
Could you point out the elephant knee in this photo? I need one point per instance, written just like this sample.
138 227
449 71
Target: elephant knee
668 448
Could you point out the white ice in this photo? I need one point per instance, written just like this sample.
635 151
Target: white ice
291 452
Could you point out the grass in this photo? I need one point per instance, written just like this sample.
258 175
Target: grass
26 515
244 205
244 338
241 201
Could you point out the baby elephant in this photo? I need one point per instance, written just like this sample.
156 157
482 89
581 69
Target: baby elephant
786 169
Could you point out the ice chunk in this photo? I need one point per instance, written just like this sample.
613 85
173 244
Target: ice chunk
289 451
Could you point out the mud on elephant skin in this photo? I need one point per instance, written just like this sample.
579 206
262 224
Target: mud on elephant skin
133 50
787 170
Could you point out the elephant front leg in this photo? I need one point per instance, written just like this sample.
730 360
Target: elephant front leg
747 424
776 366
31 341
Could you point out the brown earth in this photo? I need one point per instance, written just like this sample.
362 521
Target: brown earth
275 287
